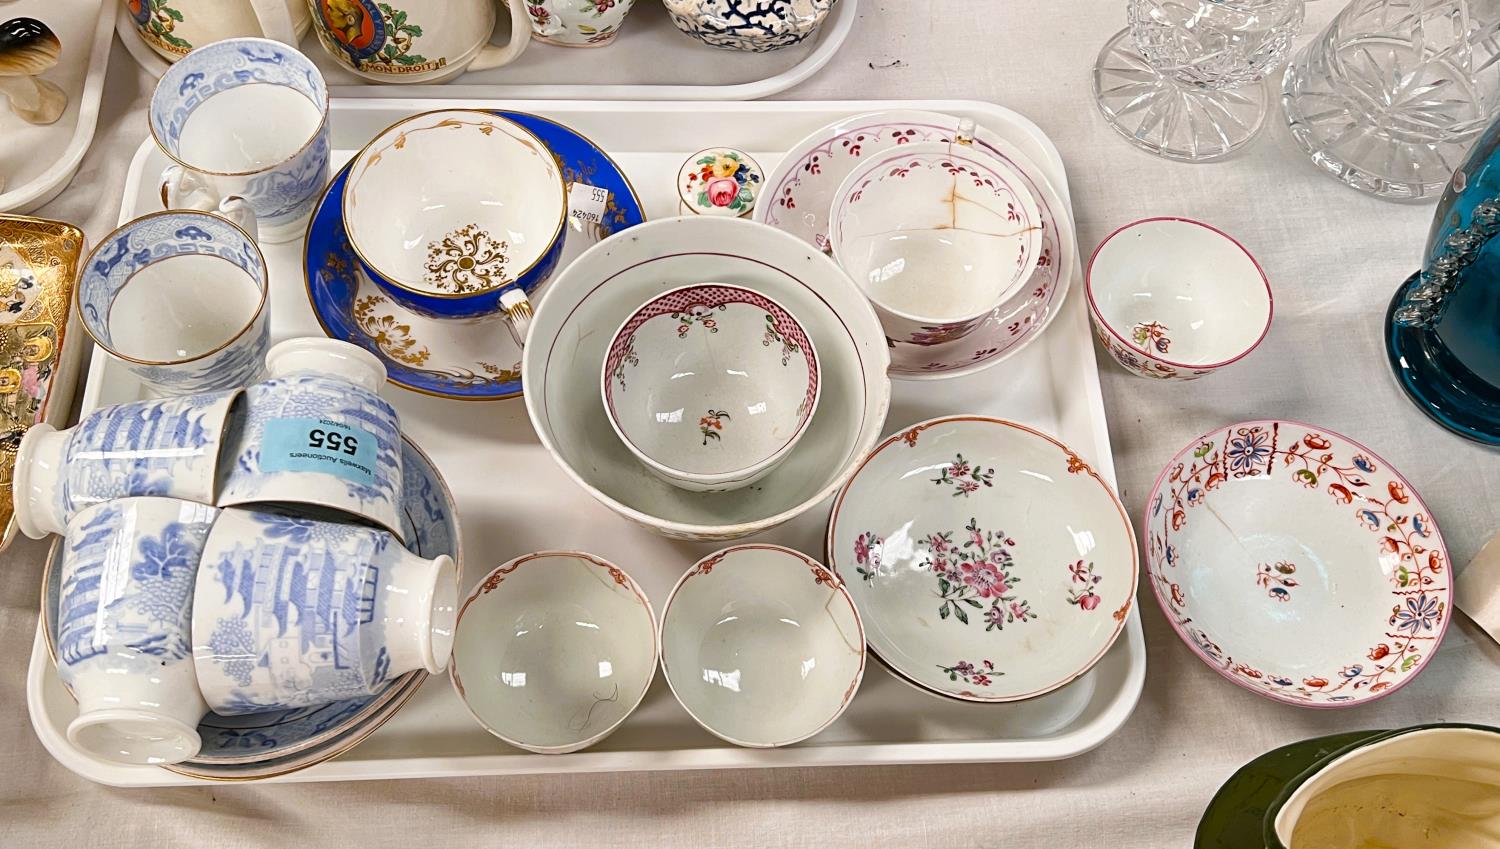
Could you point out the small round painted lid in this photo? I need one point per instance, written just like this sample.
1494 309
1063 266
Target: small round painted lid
720 181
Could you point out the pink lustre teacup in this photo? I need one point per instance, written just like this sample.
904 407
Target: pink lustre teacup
711 385
1174 298
938 236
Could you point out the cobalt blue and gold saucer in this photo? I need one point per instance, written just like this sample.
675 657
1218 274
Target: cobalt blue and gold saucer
449 359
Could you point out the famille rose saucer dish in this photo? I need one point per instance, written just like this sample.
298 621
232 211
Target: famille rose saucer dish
260 745
990 563
1297 563
477 361
798 198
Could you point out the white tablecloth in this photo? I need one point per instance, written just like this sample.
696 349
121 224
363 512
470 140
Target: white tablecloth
1333 257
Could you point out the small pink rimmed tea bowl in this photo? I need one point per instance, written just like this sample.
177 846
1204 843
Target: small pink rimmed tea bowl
762 645
710 385
990 562
1297 563
938 235
554 650
1174 298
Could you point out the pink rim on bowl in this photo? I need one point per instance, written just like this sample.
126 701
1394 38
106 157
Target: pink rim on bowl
1308 460
1130 345
709 296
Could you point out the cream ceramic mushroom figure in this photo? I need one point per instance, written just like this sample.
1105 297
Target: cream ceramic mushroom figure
27 48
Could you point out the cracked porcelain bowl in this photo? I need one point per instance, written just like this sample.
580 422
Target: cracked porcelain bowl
450 210
1297 563
762 645
554 650
989 561
710 385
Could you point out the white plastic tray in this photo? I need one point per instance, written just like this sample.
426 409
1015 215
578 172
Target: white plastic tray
649 59
513 498
39 161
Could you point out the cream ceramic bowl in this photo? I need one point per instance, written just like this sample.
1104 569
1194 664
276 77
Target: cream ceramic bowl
583 306
1176 298
1297 563
762 645
554 650
989 561
710 385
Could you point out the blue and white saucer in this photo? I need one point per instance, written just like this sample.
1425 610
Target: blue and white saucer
450 359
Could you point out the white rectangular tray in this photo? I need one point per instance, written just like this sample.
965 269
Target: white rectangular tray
649 59
38 161
513 499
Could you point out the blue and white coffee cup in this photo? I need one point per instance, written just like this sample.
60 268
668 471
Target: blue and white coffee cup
180 298
457 214
244 117
157 447
124 616
291 612
317 433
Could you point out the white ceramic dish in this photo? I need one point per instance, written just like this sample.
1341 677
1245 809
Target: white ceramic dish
990 561
434 736
800 191
1176 298
1297 563
710 385
767 645
38 162
554 650
572 331
939 235
645 61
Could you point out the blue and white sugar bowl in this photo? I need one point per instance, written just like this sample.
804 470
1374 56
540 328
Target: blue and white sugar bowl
123 644
754 26
158 447
291 612
318 433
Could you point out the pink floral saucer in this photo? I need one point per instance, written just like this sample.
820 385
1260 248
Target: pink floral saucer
990 563
800 192
1297 563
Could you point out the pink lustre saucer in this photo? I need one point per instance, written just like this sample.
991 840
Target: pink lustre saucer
799 194
1297 563
990 563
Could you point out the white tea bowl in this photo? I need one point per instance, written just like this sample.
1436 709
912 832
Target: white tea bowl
937 234
450 210
1174 298
584 305
762 645
1297 563
553 650
990 562
710 385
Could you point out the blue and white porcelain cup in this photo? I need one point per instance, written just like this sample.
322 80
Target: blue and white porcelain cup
162 447
180 298
318 433
292 612
244 117
123 644
457 214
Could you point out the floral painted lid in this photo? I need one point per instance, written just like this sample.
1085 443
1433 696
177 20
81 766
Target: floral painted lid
990 563
719 181
38 270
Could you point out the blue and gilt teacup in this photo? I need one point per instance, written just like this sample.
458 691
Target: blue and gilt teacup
180 298
244 117
123 644
457 214
318 433
292 612
159 447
